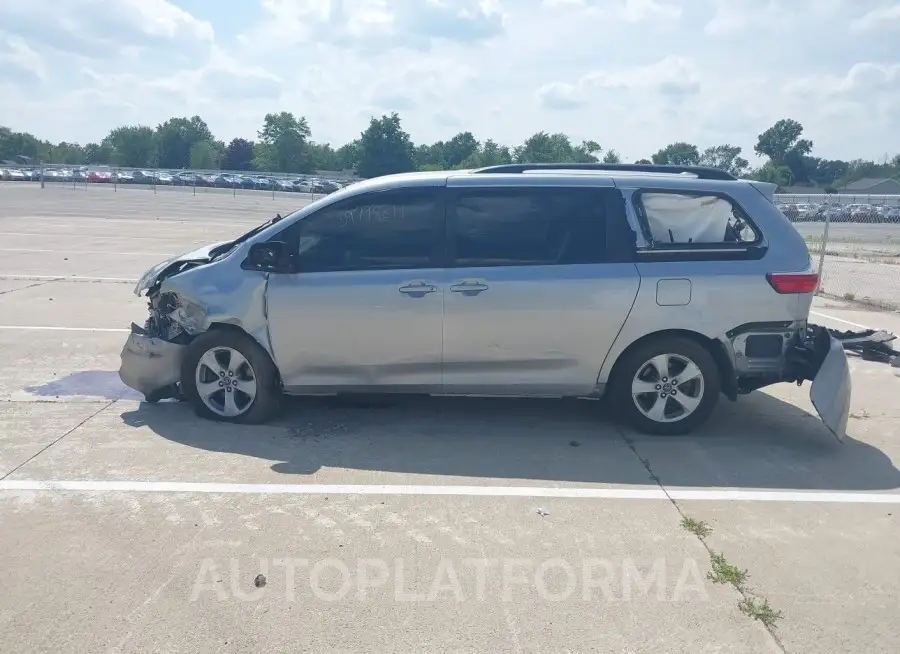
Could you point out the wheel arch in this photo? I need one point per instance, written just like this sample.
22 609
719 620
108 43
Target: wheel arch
714 346
237 329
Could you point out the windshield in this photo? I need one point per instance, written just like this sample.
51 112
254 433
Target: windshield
315 205
225 248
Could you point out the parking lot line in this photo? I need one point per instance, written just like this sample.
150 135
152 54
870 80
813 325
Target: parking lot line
717 495
841 320
104 252
46 328
69 278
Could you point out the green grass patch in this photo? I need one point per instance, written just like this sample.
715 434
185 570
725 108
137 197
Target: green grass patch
759 609
699 528
724 572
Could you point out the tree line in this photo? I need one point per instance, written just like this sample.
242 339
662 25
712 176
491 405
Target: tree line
284 144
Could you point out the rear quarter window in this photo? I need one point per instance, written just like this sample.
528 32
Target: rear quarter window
678 219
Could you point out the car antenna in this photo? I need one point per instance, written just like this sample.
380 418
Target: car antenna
276 218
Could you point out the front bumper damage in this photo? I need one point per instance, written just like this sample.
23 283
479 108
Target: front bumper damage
151 366
152 355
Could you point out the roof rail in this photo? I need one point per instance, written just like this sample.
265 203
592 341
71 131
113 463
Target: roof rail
701 172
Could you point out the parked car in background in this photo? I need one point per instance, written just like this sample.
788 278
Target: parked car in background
887 214
100 177
124 177
144 177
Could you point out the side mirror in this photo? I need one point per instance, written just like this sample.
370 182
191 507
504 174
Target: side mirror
269 257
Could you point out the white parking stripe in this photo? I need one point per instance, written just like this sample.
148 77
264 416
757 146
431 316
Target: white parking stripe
846 322
69 278
95 252
471 491
44 328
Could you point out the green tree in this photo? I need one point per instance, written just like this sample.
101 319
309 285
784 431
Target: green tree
782 144
176 137
70 154
97 153
782 139
555 148
678 154
489 153
725 157
322 156
238 155
347 155
264 158
285 138
458 149
132 146
430 157
205 155
643 162
769 172
14 145
384 148
612 157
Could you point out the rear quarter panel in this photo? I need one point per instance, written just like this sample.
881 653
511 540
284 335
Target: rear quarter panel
723 294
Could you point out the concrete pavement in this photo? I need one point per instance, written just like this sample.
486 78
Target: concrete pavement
472 545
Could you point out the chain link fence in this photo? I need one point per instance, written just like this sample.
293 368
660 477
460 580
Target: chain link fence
184 181
854 241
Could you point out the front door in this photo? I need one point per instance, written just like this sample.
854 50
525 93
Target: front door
364 306
532 304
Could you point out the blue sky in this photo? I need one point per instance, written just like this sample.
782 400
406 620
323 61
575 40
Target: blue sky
632 75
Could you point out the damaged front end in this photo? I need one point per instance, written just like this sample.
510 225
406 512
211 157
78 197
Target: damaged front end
152 355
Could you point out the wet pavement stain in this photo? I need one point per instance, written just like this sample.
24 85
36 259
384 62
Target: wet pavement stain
87 383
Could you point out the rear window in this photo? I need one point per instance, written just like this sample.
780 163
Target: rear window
686 219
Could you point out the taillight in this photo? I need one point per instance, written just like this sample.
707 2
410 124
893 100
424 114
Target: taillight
793 282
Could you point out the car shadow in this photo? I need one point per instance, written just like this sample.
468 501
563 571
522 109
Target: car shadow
758 442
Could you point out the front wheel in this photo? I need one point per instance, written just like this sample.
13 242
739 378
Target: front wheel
227 376
667 386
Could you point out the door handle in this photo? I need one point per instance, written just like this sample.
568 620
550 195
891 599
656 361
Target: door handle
469 287
417 289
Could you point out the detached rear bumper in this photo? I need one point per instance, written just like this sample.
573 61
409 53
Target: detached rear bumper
150 364
831 389
820 357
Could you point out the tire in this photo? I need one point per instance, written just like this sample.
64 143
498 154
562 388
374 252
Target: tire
636 370
223 344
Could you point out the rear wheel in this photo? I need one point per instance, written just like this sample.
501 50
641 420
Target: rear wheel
227 376
667 386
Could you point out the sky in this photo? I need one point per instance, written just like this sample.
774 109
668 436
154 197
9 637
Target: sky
633 75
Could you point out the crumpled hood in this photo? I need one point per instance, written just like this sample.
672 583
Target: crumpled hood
149 278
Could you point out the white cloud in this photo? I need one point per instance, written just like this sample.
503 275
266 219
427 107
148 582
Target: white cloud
16 53
633 75
636 11
672 76
881 18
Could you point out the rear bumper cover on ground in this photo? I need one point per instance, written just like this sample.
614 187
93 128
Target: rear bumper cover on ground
831 389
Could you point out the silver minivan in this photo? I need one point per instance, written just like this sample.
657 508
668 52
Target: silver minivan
659 287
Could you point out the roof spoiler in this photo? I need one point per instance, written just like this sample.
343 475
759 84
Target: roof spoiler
766 188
